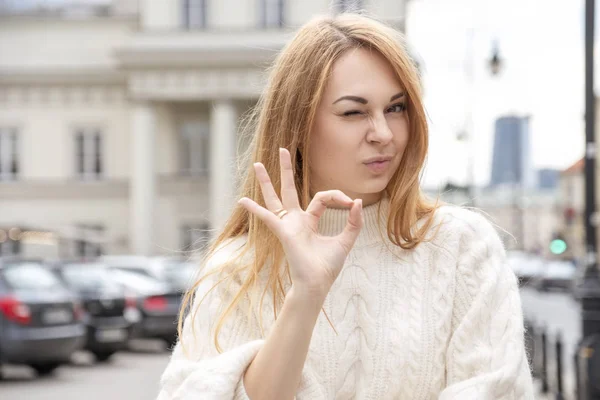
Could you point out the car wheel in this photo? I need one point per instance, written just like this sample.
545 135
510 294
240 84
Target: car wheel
45 369
103 356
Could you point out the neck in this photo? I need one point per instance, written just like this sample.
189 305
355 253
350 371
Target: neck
374 227
368 199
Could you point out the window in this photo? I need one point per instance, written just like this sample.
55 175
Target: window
194 14
272 13
194 236
8 246
88 243
9 154
194 145
88 154
342 6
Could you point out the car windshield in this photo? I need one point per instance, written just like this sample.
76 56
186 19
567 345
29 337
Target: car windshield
86 277
138 282
29 276
180 274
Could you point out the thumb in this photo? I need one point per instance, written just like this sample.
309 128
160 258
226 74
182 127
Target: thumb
353 226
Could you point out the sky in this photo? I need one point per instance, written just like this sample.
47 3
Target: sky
541 45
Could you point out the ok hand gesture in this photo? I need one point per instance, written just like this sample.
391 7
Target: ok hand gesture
315 261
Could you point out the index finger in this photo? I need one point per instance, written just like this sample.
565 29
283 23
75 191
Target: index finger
289 195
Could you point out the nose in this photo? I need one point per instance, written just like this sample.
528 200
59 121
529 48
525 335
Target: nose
379 131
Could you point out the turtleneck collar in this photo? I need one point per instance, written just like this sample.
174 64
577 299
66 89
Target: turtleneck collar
375 217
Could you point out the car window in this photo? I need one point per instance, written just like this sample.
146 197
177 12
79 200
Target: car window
29 276
84 277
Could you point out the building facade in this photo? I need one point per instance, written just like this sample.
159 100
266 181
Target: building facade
571 209
119 121
511 160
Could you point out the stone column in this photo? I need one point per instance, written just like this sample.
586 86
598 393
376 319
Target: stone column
223 133
142 190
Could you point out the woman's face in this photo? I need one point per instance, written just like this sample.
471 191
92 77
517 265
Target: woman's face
361 128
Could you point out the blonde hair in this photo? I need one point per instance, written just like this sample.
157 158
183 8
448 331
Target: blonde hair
283 118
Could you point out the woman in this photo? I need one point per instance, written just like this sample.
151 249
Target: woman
334 278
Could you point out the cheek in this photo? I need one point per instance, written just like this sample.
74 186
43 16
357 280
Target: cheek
336 138
400 129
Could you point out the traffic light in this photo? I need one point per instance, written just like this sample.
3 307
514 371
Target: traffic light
558 245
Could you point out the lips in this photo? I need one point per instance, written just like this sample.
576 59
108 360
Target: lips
378 164
377 159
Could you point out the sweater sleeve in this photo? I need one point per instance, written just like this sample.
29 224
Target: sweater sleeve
486 356
196 370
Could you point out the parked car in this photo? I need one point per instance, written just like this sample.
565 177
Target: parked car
527 267
157 302
105 305
40 318
556 275
177 272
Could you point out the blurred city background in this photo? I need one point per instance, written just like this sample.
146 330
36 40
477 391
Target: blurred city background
120 129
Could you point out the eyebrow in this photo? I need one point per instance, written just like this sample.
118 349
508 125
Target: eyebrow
362 100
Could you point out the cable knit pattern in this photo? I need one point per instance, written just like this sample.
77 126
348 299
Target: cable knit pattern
442 321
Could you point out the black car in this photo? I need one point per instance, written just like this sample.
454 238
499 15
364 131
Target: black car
105 305
40 318
157 302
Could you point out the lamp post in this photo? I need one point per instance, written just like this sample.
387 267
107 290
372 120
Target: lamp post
495 64
588 292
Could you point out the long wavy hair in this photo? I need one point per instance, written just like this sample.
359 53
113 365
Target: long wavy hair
283 117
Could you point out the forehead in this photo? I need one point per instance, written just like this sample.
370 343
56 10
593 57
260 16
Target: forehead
362 72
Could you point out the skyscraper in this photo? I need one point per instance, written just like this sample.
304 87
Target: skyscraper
511 161
548 178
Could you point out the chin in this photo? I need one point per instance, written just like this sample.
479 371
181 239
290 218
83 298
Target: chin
371 186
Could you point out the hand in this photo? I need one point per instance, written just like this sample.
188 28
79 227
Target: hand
315 261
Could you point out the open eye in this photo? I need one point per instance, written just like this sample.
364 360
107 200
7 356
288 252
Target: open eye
398 108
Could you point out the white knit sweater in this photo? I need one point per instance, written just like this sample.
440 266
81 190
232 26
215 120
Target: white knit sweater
442 321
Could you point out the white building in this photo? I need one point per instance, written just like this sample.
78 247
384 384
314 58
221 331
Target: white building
118 120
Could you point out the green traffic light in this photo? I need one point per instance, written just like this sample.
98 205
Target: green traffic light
558 246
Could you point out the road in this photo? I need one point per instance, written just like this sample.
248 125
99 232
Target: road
130 375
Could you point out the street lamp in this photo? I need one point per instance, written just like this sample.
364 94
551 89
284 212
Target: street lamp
495 64
589 290
588 349
495 61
